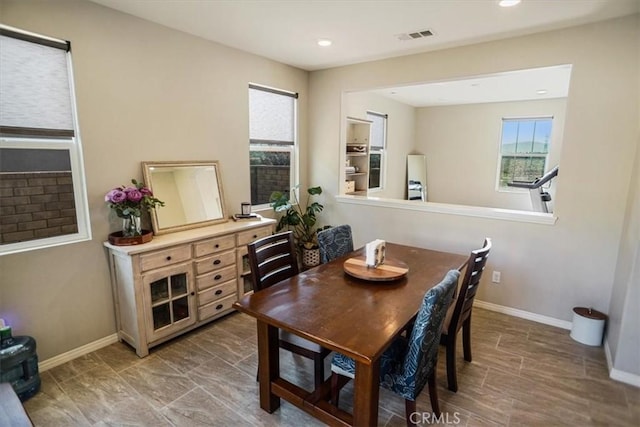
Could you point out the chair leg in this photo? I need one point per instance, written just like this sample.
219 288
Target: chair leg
433 393
466 339
335 389
318 370
409 409
452 379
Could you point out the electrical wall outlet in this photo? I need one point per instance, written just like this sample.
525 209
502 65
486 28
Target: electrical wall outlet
495 278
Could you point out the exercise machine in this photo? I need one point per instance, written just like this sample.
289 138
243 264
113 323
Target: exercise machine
539 197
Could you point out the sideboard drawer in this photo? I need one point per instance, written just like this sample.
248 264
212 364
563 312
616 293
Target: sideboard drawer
246 237
215 262
216 277
216 307
165 257
211 246
217 292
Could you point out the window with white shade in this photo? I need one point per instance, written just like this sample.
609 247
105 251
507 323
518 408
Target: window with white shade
43 198
377 149
272 142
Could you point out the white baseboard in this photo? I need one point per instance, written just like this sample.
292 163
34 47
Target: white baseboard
77 352
624 377
524 314
616 374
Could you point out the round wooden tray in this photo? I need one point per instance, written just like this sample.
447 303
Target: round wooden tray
391 269
118 240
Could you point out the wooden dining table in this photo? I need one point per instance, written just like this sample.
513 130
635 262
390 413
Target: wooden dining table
358 318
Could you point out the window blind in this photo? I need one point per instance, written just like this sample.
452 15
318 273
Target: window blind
271 116
35 90
377 130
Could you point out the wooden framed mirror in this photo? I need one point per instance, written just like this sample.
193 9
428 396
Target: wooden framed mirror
191 191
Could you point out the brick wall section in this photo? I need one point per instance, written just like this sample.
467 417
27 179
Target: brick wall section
35 205
266 179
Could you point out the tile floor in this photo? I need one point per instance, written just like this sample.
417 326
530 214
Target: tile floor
523 373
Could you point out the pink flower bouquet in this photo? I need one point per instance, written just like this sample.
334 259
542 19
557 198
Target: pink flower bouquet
130 201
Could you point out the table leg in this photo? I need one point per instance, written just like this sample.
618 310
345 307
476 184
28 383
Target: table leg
268 365
366 391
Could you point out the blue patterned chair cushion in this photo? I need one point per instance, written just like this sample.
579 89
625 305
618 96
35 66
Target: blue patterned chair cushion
335 242
407 364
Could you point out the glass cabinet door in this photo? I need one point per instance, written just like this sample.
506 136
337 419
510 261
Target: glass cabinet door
171 300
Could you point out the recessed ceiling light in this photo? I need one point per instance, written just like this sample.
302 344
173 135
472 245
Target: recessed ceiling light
541 91
324 42
508 3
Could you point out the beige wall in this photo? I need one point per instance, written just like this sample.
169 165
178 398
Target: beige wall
462 144
546 269
623 334
144 92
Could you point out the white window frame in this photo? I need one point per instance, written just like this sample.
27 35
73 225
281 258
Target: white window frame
293 150
74 146
382 151
500 189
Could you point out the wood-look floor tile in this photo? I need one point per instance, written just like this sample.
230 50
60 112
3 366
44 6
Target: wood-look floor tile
51 406
477 421
118 356
238 324
228 384
561 342
223 344
157 381
468 373
554 366
100 393
597 369
491 357
613 413
183 356
522 373
199 408
543 411
77 366
133 413
493 405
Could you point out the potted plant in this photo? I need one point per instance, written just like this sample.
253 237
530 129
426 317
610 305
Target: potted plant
301 220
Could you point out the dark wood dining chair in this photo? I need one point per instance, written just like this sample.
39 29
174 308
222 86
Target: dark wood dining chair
459 315
273 259
335 242
410 362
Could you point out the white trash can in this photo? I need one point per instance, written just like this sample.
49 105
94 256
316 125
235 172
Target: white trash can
588 326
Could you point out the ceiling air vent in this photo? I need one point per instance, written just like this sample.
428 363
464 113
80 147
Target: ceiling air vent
415 35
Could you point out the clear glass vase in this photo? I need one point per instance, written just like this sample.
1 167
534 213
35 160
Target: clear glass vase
131 226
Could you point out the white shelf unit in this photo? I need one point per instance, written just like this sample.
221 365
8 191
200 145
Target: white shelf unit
358 134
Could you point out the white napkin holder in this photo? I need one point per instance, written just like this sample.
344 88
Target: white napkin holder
375 252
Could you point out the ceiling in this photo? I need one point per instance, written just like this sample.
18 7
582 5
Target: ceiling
522 85
362 30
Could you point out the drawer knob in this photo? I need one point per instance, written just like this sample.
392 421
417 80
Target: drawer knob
219 291
169 258
217 277
193 293
217 246
219 306
216 262
255 236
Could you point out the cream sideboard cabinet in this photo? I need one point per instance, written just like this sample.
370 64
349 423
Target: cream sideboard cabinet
181 280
